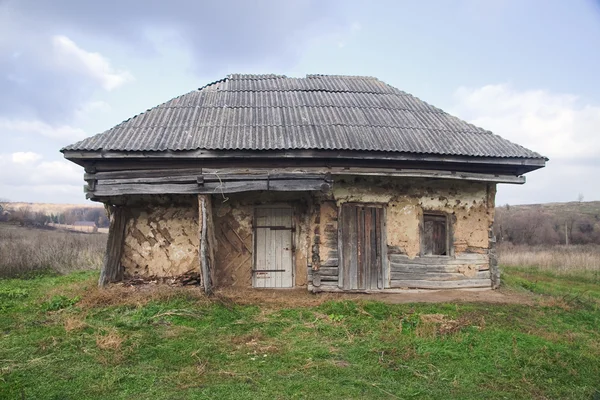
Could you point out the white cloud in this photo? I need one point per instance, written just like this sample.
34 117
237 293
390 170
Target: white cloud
555 125
92 64
62 133
25 157
28 168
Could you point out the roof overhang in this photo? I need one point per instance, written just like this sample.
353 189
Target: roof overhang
505 165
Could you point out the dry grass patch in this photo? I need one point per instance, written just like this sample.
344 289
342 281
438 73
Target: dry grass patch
292 298
190 376
24 250
176 331
73 324
138 295
561 259
109 340
434 325
255 343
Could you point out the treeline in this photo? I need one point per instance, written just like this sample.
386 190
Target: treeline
25 216
547 225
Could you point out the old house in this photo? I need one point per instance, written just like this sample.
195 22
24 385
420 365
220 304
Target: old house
334 183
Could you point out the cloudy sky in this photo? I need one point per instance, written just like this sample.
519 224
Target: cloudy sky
527 70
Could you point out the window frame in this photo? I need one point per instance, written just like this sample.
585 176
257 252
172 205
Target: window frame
449 234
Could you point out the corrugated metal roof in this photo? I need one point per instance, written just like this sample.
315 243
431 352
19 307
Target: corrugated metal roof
319 112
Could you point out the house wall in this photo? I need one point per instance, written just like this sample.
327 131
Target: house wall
470 209
467 203
162 233
161 236
233 216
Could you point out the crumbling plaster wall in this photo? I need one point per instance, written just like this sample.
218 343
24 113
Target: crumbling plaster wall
233 216
468 204
161 236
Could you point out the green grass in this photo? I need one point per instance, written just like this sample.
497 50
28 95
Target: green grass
60 339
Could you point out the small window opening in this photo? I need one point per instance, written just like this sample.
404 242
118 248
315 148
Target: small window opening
435 235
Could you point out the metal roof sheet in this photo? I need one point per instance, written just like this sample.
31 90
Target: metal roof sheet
319 112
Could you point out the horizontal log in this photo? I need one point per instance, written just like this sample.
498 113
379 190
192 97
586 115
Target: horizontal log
329 283
420 268
443 276
333 271
144 188
329 278
422 284
162 179
417 268
459 259
330 262
150 170
147 175
144 173
103 189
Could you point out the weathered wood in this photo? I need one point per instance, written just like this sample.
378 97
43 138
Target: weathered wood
434 238
329 278
423 284
438 276
361 247
330 271
336 289
330 262
458 259
210 175
204 250
416 269
103 189
162 179
112 270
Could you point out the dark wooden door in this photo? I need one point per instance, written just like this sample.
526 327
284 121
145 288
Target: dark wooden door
361 247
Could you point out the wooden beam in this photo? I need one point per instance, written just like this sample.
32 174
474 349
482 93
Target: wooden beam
111 267
103 189
236 174
423 284
204 251
437 276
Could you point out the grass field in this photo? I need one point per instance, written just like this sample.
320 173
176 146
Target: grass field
26 250
61 338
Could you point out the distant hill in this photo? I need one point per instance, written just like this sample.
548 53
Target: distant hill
44 214
575 222
48 208
583 208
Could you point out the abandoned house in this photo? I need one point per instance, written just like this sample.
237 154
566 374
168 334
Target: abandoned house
333 183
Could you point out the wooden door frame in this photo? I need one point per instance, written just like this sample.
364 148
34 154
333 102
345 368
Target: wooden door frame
385 264
293 228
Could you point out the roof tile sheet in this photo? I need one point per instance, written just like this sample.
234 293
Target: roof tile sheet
319 112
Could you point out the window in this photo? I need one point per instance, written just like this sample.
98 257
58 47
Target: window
434 237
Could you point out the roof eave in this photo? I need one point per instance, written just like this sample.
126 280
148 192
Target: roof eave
525 164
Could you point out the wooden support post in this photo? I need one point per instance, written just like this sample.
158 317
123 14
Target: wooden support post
206 250
111 268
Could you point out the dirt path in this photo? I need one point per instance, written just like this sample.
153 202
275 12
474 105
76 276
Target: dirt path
502 296
301 297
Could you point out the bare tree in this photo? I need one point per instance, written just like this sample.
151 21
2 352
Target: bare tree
580 197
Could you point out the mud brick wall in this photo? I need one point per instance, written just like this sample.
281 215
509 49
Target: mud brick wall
161 238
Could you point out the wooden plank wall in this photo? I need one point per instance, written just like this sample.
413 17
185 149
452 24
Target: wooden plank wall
440 272
199 181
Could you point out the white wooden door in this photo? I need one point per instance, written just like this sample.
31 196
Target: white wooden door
273 248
